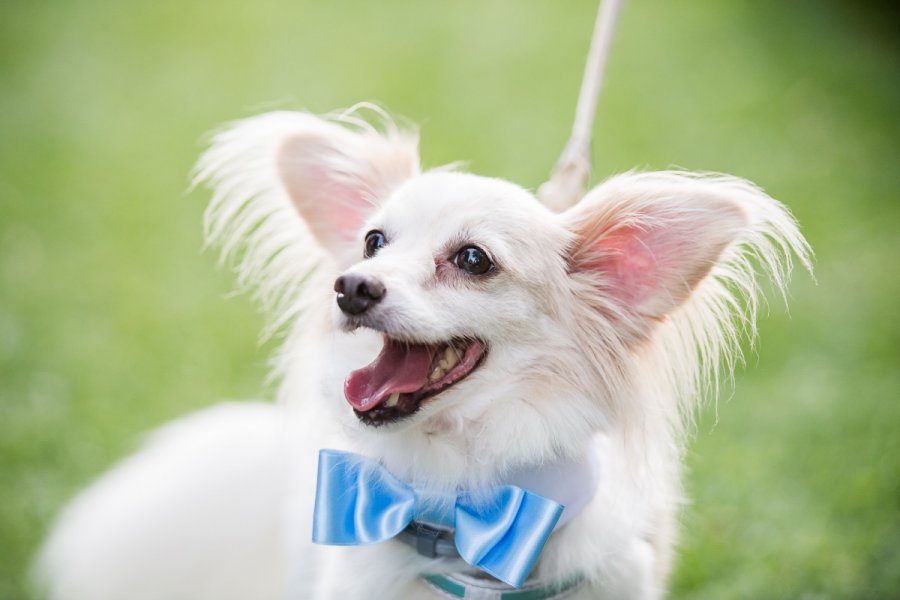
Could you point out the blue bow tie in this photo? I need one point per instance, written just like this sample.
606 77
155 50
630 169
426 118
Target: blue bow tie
501 531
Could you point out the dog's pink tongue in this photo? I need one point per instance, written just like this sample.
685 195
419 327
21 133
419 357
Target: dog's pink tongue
399 368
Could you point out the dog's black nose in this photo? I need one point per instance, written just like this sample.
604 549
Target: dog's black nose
356 293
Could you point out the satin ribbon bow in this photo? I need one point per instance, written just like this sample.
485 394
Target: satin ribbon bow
501 531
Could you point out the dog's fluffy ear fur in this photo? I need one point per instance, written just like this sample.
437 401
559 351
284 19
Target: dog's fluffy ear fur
268 171
647 246
675 255
336 176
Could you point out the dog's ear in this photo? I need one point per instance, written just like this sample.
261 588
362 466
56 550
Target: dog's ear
645 241
336 176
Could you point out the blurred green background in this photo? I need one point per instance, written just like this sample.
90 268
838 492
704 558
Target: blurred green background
113 321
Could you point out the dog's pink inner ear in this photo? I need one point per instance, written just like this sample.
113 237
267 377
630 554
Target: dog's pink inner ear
331 199
335 178
629 263
650 263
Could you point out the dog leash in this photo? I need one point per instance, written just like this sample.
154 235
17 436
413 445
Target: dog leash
570 175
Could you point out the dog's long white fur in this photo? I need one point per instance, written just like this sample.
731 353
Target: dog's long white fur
217 506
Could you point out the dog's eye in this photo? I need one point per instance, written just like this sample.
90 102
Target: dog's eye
374 242
473 260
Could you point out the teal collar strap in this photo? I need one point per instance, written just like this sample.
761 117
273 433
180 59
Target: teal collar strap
466 586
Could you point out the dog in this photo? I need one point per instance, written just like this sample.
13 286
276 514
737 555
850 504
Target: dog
454 331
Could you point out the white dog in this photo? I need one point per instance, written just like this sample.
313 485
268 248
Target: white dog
463 336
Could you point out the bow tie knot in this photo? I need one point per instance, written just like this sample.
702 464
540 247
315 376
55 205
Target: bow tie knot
501 531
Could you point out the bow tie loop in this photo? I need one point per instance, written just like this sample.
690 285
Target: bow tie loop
502 531
358 502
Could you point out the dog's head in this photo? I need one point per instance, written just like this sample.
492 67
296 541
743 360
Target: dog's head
506 328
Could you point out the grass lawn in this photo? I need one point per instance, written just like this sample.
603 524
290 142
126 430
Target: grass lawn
113 321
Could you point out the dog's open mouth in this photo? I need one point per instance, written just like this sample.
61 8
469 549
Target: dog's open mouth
404 375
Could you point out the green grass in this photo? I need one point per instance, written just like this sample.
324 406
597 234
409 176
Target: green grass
112 321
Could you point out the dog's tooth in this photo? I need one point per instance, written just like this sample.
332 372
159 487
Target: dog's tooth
436 374
450 357
393 400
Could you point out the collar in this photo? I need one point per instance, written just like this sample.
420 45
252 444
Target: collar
476 587
570 482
